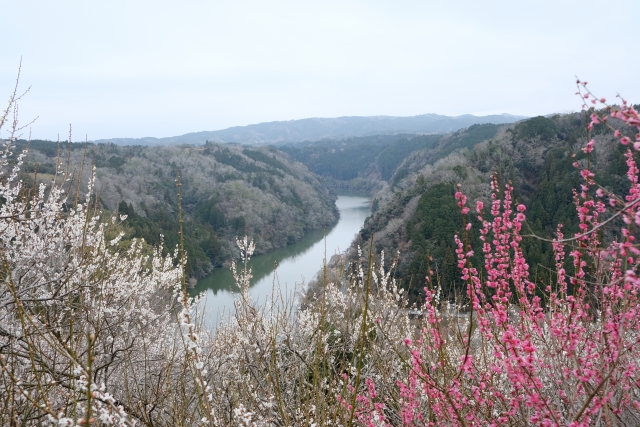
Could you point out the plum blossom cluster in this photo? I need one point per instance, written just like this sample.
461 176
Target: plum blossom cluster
560 352
88 331
283 363
93 334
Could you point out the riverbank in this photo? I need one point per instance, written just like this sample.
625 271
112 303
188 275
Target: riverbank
295 264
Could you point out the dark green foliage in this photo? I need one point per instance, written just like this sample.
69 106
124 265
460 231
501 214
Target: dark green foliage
431 230
198 252
399 176
551 203
49 148
390 158
211 248
224 155
466 138
354 157
238 224
461 172
615 175
340 159
116 162
261 157
375 205
41 168
449 274
537 127
537 158
295 200
208 213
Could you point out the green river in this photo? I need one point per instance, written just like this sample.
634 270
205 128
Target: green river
296 264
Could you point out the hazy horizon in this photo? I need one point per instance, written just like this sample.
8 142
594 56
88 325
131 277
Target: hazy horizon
312 118
158 69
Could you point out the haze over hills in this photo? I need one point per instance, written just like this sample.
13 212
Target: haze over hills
319 128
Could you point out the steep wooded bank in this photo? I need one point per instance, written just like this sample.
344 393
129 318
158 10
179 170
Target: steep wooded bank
228 191
418 216
93 332
374 163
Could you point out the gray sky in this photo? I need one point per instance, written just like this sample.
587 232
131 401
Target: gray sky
162 68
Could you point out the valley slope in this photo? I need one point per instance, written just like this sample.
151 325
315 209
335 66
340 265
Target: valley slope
228 191
413 179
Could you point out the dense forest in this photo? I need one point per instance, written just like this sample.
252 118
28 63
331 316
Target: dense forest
413 178
228 191
418 215
98 327
371 162
268 193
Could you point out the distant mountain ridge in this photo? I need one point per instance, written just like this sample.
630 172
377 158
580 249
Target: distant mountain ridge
292 131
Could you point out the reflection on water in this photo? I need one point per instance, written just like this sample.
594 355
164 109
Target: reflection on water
296 264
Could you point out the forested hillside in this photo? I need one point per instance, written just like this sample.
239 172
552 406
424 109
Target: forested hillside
98 328
371 163
418 215
228 191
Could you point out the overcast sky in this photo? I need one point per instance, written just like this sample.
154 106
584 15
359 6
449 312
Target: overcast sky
162 68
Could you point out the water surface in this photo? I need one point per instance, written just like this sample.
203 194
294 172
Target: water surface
296 264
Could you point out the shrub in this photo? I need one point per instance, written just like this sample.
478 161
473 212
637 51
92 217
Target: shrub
572 358
88 334
93 335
